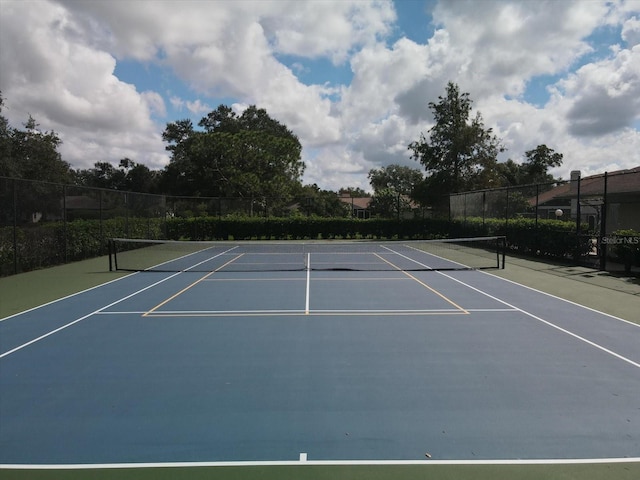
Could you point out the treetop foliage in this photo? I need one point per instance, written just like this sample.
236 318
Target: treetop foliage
398 178
247 155
31 153
252 155
253 119
459 153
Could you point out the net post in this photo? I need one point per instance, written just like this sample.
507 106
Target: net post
110 251
502 247
113 258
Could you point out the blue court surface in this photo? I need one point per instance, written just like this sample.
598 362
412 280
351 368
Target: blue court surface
277 365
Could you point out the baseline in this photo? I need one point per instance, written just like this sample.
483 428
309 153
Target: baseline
542 461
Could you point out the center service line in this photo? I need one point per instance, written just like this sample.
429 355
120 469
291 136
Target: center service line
306 306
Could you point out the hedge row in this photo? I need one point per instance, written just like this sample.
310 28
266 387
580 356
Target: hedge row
44 245
545 238
303 228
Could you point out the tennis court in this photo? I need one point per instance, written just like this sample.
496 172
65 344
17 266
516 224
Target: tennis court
321 353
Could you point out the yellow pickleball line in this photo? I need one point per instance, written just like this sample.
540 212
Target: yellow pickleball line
448 300
175 295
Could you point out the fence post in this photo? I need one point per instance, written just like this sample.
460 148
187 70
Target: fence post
64 224
101 224
15 226
536 234
506 213
109 251
578 210
578 218
603 226
126 214
464 211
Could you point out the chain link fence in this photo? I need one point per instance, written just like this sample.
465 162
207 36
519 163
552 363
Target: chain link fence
44 224
600 210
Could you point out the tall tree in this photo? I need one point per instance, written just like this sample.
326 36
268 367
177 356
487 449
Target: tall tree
322 203
138 177
459 153
538 163
353 192
388 203
534 170
128 176
393 186
248 155
400 179
32 153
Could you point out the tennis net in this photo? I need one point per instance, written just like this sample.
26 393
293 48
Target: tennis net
355 255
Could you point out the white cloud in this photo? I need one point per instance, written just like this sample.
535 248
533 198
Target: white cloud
336 166
69 87
504 44
196 107
329 28
155 103
631 31
604 96
63 73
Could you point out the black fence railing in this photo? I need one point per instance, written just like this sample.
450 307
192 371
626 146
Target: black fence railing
598 207
44 224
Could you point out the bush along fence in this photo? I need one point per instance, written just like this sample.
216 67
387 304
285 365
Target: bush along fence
597 215
43 224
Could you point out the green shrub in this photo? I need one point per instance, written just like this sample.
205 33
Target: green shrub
46 244
626 248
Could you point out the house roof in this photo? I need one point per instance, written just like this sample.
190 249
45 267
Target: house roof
357 202
363 203
621 181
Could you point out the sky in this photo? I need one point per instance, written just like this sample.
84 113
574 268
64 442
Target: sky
352 79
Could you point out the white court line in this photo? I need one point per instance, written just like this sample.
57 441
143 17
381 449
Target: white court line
101 285
68 296
41 337
121 312
166 313
266 313
100 466
564 300
547 322
254 279
307 294
492 310
557 327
